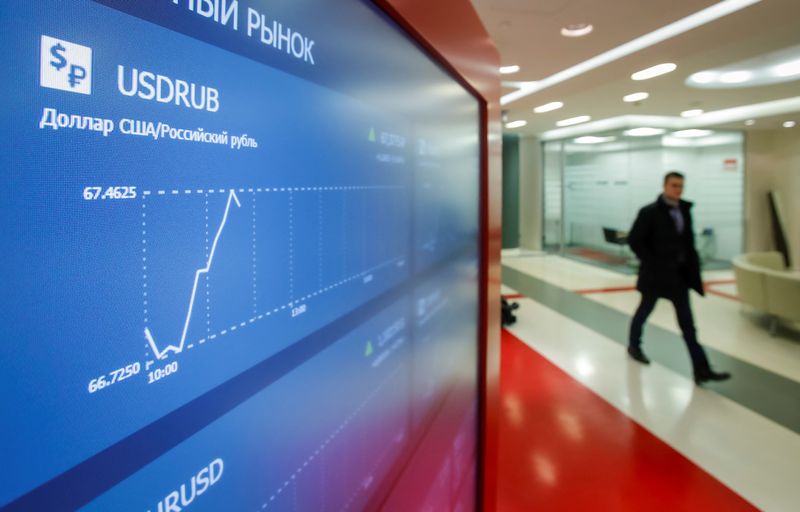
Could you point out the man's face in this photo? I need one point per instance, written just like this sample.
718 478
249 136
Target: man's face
673 188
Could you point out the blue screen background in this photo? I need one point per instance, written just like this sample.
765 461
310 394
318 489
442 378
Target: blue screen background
325 329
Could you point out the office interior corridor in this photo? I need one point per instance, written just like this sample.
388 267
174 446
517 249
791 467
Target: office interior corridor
585 427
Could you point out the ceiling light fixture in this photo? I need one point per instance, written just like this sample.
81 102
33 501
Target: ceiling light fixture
735 77
692 113
692 133
636 96
576 30
644 132
787 69
516 124
768 68
769 109
573 120
704 77
750 122
707 15
789 124
654 71
517 84
592 139
547 107
507 70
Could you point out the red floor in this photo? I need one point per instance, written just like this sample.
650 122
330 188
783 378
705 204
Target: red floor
562 447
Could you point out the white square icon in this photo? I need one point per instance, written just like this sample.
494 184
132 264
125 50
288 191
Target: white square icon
65 66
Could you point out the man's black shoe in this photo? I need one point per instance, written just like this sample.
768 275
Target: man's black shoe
708 375
637 355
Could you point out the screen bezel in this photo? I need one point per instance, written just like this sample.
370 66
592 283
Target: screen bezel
430 50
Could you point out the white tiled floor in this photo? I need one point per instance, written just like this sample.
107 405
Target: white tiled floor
722 323
567 273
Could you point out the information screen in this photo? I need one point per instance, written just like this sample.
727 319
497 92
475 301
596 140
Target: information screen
240 260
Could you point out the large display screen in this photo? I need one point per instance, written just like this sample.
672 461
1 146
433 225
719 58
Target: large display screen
240 260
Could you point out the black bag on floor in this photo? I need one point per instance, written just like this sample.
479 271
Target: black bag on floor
506 312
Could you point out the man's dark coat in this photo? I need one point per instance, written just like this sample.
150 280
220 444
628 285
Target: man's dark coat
656 241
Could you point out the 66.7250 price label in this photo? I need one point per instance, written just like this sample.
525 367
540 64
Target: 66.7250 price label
111 378
112 192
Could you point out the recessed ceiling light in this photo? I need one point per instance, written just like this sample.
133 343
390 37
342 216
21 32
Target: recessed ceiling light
735 77
750 122
787 69
592 139
644 132
547 107
636 96
573 120
507 70
713 12
576 30
518 84
703 77
773 67
692 113
789 124
516 124
654 71
766 110
692 133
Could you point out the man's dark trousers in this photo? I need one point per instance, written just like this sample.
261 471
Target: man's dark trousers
685 320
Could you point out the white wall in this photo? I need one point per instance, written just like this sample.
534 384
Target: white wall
773 163
530 193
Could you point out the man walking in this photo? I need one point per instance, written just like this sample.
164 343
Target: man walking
663 239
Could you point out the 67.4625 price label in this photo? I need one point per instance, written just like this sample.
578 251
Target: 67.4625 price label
112 192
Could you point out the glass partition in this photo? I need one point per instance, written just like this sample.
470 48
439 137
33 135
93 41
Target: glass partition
594 187
553 152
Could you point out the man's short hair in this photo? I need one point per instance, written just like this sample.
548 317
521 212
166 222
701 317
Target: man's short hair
672 174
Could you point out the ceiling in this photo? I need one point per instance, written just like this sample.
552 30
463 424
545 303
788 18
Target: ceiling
527 33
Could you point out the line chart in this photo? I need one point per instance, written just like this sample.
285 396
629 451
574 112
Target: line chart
321 235
161 354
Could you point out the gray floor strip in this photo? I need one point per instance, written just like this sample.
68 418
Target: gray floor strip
760 390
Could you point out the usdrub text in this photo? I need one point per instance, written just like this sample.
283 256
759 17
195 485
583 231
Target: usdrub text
150 86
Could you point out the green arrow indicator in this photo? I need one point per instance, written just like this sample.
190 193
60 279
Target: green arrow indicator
368 350
371 136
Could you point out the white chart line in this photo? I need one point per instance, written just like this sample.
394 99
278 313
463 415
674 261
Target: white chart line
168 193
399 261
179 347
